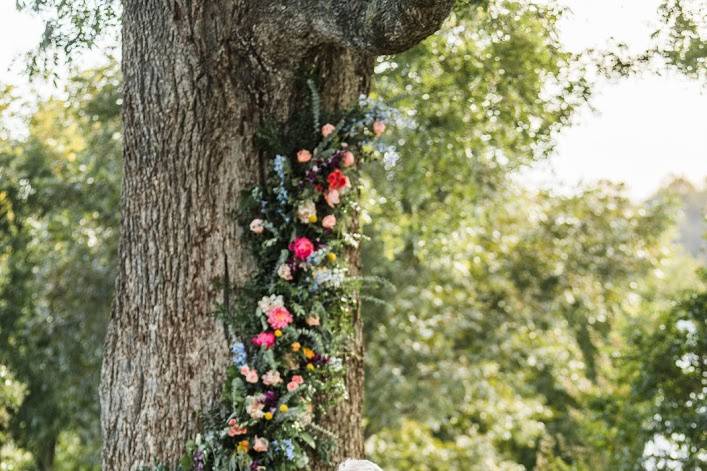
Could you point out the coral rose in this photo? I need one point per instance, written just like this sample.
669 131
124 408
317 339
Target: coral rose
279 317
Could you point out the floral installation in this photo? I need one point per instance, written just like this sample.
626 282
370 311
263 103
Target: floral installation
294 315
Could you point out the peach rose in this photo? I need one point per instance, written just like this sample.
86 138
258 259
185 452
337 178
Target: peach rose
304 156
260 444
378 128
329 221
348 159
332 197
327 129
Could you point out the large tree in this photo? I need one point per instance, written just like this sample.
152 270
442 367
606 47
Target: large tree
200 80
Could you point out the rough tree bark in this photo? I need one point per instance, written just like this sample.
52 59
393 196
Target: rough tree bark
200 77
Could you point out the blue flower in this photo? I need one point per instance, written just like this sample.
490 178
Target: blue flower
286 447
240 357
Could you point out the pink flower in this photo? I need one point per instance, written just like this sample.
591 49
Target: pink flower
266 339
329 221
256 226
331 197
327 129
348 159
297 379
304 156
250 375
279 317
302 248
272 378
378 128
292 386
236 429
260 444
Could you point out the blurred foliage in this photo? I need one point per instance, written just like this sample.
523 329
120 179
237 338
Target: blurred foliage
12 393
679 43
59 193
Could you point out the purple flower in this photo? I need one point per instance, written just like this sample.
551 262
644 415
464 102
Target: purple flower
198 460
270 398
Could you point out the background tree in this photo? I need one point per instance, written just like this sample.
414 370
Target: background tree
58 238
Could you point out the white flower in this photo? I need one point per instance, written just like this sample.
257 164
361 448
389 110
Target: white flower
307 212
254 406
256 226
269 302
285 272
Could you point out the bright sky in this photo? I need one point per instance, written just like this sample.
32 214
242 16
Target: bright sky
644 128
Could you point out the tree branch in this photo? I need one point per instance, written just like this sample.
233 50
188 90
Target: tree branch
374 27
391 26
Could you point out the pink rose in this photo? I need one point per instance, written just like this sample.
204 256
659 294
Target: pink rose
327 129
331 197
257 226
292 386
266 339
297 379
348 159
250 375
279 317
302 248
329 221
304 156
260 444
378 128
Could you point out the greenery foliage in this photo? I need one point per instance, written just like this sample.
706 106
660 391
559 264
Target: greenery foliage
293 318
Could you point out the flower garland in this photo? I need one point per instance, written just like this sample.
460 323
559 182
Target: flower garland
294 316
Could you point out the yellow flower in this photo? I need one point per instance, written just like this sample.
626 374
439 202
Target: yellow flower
243 446
267 416
312 218
278 333
284 408
331 256
296 346
308 353
310 367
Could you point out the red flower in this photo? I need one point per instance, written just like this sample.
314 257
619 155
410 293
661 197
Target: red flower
337 180
302 248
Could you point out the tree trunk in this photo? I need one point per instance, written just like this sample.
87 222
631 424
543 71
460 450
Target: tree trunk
200 79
